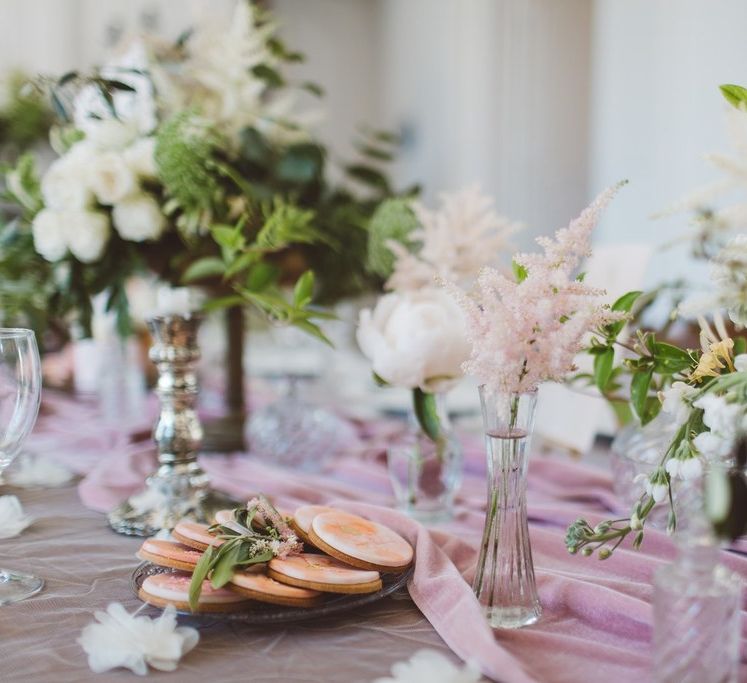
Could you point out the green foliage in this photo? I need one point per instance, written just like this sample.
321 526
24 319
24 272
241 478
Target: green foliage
23 186
286 224
24 120
424 405
520 272
735 95
392 220
185 146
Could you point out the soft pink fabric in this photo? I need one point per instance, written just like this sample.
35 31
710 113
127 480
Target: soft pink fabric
597 615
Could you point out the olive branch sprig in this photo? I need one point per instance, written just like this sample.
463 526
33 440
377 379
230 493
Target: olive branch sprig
256 534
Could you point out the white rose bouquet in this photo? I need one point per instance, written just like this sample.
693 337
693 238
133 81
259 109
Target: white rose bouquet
193 162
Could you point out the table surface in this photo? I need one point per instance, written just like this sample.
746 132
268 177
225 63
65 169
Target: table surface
86 566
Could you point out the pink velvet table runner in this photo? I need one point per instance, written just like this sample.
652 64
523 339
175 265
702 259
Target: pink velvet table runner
596 623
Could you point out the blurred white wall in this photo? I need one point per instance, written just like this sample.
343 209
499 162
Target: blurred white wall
656 109
542 102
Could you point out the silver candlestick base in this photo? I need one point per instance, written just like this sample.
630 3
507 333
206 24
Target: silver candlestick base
179 488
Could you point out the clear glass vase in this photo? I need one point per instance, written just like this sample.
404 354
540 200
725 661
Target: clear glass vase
426 473
504 579
696 613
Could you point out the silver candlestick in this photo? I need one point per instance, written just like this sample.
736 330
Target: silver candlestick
179 488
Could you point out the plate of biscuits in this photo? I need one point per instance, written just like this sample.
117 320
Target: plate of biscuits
275 568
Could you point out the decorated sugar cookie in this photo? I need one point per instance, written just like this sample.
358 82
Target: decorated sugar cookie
195 535
360 542
169 554
323 573
301 520
165 589
264 589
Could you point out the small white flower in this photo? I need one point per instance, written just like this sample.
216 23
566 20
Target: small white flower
120 639
719 415
38 471
48 231
140 157
740 362
710 445
138 218
658 492
673 401
13 520
87 234
111 178
430 666
684 468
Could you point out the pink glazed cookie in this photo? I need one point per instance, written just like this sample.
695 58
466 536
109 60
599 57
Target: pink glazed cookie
302 518
195 535
173 589
360 542
264 589
169 554
323 573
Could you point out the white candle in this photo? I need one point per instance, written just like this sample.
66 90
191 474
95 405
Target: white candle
174 301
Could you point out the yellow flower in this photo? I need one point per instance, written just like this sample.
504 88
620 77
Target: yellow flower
708 366
723 349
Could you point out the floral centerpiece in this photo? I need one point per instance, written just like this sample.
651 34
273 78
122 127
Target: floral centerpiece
524 330
192 161
702 391
415 337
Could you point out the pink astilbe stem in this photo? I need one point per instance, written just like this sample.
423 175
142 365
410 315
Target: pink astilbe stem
525 333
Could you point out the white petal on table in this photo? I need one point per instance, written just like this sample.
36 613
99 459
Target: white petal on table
37 471
120 639
431 666
13 520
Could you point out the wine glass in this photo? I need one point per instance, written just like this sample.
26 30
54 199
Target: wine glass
20 394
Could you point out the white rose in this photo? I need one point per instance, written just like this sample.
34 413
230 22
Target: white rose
138 218
415 339
673 401
140 157
66 184
111 178
110 134
87 233
48 229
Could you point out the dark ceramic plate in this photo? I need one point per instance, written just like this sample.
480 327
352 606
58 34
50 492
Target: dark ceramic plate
278 614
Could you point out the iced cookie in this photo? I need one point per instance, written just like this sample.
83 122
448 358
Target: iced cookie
360 542
194 535
302 518
169 554
264 589
323 573
173 589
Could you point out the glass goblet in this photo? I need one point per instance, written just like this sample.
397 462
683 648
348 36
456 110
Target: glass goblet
20 394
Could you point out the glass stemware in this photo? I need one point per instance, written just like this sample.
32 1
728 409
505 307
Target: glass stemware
20 394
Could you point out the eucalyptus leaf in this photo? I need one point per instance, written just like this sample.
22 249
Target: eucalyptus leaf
639 387
199 574
736 95
603 363
210 266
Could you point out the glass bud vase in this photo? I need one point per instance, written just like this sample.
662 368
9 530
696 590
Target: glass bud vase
696 614
504 579
426 473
